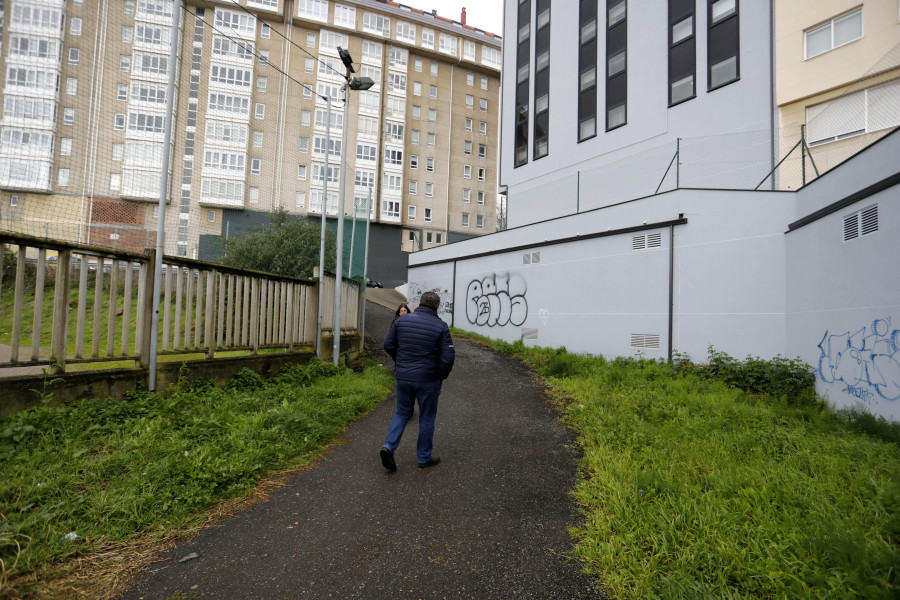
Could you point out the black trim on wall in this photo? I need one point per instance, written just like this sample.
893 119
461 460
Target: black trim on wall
542 81
565 240
862 194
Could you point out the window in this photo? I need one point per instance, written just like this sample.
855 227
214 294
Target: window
413 161
470 101
71 86
873 109
484 104
470 78
468 124
406 32
417 88
68 116
833 34
122 92
418 65
484 82
432 92
468 147
65 147
151 64
428 216
467 171
345 15
467 195
479 221
265 30
316 10
364 178
311 39
393 132
429 191
263 57
428 38
616 64
447 44
212 159
434 68
300 199
396 108
413 187
309 65
118 150
481 173
399 58
257 139
523 85
228 103
63 177
262 83
391 182
411 213
491 57
367 126
14 201
129 7
237 77
682 51
468 50
255 166
75 27
482 128
432 115
305 118
480 197
371 51
431 139
482 150
390 208
723 43
465 219
393 156
377 23
115 182
127 34
541 81
124 62
301 172
260 112
74 54
429 163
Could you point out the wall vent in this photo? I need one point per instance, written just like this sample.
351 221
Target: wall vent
646 240
526 258
531 258
861 222
645 340
529 334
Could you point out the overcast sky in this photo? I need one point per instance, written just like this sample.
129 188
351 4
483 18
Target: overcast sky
483 14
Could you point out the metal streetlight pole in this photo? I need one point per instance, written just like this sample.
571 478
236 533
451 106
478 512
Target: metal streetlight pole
322 240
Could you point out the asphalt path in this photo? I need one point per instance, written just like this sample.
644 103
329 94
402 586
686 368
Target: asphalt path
490 521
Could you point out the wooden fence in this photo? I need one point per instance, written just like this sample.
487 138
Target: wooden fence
107 296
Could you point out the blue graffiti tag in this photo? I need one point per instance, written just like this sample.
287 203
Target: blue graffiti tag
866 363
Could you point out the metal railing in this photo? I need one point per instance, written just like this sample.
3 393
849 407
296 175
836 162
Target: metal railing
99 306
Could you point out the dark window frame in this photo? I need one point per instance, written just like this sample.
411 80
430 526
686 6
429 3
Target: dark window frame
587 58
523 87
712 29
679 10
617 84
541 120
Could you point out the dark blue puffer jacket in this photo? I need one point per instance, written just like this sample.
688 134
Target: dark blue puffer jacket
421 346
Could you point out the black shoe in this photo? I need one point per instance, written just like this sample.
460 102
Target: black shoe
387 459
430 463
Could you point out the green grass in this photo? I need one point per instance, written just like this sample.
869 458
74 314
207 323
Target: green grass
111 471
693 488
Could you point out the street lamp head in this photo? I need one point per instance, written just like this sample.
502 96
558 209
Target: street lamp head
361 83
345 58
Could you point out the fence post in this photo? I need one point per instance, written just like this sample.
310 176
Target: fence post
17 306
803 152
60 313
210 329
146 324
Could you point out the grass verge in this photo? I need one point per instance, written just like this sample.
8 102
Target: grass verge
694 488
99 478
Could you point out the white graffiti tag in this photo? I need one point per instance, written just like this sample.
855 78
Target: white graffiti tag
496 300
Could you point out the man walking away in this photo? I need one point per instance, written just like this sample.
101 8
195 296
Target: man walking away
423 354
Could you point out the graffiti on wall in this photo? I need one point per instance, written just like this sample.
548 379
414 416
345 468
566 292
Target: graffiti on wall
867 362
497 300
414 294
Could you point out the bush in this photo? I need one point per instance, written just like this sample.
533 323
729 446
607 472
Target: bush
789 379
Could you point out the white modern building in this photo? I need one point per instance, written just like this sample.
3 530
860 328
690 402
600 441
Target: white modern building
649 220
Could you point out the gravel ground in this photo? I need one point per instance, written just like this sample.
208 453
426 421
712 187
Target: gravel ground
488 522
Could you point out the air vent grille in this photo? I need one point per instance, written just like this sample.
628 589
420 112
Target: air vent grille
646 240
862 222
645 340
529 333
531 258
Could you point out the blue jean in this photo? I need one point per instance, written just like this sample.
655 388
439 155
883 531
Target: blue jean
408 392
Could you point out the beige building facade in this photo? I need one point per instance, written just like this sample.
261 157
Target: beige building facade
837 71
83 129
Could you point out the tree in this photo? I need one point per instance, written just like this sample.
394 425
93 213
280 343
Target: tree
286 246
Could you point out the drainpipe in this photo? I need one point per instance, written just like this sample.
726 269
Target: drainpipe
671 286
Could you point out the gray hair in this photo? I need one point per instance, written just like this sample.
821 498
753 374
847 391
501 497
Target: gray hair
430 300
